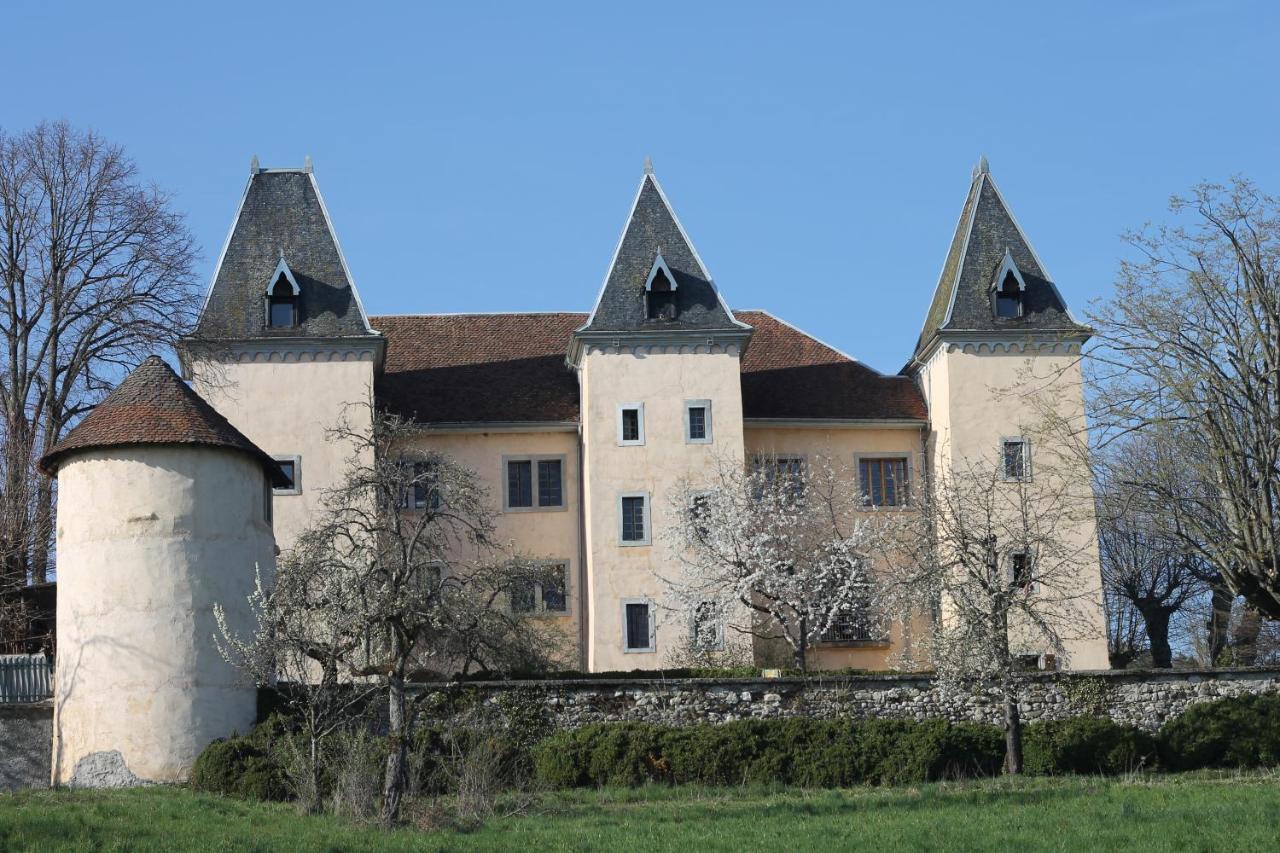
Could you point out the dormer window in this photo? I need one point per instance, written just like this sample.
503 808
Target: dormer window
1007 289
282 298
660 292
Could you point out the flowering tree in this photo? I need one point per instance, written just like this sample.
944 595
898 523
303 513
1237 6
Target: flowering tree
776 550
399 573
990 561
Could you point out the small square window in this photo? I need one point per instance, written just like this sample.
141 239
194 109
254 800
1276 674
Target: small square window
1021 570
697 421
634 519
291 467
638 627
545 595
424 490
1015 456
631 423
770 470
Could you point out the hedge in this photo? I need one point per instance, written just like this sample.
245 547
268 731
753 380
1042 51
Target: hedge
1086 745
244 766
1240 732
800 752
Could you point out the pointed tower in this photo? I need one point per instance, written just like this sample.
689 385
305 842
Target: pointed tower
658 364
998 334
283 345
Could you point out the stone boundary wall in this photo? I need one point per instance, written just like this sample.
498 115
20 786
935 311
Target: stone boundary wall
26 745
1144 698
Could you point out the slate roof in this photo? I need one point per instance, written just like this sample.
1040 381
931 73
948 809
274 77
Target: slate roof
154 406
511 367
652 228
962 300
281 213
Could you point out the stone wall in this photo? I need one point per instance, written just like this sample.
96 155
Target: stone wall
26 735
1143 698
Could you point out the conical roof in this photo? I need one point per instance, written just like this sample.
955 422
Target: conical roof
986 232
653 234
154 406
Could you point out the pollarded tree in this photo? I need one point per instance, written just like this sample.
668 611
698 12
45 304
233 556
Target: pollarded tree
990 561
1188 349
401 572
776 550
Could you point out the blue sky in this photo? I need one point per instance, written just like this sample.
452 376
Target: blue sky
482 156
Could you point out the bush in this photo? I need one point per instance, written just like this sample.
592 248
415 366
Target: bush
243 766
1240 732
801 752
1086 745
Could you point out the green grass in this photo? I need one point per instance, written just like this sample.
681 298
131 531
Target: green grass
1198 812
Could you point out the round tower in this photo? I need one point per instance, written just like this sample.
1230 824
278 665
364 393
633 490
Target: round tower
163 512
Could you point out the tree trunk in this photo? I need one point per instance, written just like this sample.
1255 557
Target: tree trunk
394 782
1219 620
803 646
1012 736
1156 620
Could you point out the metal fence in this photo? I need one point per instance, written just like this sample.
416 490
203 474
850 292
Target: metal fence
25 678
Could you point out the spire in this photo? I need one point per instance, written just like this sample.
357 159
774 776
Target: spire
648 165
652 236
987 237
282 214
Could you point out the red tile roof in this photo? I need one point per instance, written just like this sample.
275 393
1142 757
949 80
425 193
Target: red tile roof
511 367
154 406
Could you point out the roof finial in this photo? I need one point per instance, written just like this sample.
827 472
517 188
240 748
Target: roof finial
254 168
983 167
648 165
306 164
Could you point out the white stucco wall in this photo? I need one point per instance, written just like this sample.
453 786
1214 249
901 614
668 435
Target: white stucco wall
978 394
285 404
149 538
662 379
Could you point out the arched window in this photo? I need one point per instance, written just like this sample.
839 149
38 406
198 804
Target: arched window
1009 298
282 298
660 292
282 305
1007 289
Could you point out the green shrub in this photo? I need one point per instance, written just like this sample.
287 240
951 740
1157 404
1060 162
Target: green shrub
1240 732
243 765
801 752
1086 745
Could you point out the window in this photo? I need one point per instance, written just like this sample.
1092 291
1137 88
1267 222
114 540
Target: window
291 466
545 595
1020 570
424 493
282 304
852 626
660 292
699 513
707 628
637 625
774 469
534 482
697 421
1015 455
633 520
1009 297
884 481
631 423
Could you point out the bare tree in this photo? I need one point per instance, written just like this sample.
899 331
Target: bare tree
991 560
775 551
1189 347
1146 567
401 572
95 274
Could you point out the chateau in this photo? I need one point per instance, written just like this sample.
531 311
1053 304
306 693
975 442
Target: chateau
581 423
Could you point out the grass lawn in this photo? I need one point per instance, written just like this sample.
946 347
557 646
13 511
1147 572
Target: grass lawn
1235 812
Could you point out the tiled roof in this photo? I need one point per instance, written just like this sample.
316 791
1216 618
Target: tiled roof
154 406
511 367
653 229
479 367
962 300
281 216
